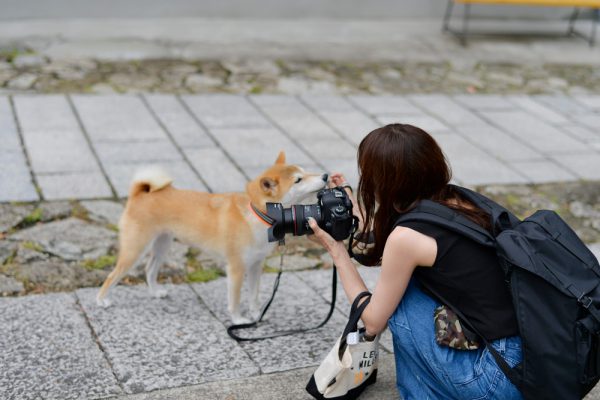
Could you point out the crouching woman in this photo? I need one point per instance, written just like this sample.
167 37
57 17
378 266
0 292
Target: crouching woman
400 165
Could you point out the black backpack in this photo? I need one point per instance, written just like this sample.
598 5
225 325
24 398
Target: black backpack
554 281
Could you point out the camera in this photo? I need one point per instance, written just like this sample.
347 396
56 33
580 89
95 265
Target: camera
333 213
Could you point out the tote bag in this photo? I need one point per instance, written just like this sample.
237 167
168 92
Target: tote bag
351 365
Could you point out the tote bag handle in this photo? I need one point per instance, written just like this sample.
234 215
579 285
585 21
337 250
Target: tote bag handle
355 313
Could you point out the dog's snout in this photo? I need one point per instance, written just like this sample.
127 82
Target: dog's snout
324 177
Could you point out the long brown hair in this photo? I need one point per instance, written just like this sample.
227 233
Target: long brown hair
400 165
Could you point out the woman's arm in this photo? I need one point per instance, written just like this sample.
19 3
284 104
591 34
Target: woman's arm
405 249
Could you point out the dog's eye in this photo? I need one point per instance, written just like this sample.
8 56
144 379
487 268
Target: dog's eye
298 179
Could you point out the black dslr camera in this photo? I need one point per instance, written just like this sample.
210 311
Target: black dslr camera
333 213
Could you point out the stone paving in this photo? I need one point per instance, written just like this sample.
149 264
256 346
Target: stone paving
143 344
88 146
84 148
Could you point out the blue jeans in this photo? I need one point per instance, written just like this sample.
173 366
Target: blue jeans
426 370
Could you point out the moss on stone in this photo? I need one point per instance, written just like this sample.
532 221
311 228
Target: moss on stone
79 211
32 246
34 217
112 227
195 271
203 275
256 89
270 270
100 262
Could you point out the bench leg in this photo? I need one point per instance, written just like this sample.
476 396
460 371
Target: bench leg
465 30
595 22
448 15
572 20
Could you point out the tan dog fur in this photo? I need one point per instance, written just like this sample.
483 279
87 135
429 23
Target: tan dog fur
223 223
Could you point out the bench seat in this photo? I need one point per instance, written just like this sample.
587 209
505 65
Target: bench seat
546 3
594 5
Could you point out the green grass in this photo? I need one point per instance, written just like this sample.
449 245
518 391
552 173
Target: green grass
270 270
112 227
9 260
34 217
256 89
79 211
33 246
10 54
197 273
203 275
100 262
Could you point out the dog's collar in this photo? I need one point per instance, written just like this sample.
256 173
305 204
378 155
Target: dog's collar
262 217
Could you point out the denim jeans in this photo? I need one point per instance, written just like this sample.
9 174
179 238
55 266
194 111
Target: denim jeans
426 370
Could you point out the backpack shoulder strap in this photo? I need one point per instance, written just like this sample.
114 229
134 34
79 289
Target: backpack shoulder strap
501 218
435 213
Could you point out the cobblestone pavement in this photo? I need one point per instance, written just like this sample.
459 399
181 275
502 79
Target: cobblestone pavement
24 71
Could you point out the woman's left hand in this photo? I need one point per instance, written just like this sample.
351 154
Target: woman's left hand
333 247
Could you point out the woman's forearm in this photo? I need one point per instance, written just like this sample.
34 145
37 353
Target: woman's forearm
351 280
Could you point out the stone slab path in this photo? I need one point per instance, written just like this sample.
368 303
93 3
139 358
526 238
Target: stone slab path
62 346
89 146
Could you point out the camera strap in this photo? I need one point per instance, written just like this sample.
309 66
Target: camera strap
233 328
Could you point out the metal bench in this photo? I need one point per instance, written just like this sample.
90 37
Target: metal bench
577 4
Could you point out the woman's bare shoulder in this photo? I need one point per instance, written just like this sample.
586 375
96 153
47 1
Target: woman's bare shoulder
407 242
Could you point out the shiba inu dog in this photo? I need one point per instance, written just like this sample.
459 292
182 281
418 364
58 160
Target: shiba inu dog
224 223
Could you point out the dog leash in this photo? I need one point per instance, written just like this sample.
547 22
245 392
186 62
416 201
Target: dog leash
236 327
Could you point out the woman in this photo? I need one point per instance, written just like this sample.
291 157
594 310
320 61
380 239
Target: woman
400 165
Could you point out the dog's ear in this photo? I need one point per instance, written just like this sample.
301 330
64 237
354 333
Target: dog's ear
268 185
280 158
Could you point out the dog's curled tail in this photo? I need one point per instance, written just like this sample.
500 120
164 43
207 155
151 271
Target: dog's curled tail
148 180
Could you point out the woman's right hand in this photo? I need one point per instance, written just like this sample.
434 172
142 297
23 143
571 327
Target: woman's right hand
336 179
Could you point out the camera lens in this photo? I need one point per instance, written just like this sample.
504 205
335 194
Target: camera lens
292 220
301 215
332 212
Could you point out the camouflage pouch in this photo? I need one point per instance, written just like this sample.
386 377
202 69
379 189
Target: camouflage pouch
449 332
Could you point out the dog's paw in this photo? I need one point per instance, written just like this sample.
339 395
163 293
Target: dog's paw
104 303
255 313
238 319
159 293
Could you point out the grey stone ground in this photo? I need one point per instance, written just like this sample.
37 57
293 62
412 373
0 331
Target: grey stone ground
88 146
517 118
69 348
296 39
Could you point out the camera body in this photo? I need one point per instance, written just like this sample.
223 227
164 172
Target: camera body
333 213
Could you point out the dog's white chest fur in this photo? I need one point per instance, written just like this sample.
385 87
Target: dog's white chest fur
262 247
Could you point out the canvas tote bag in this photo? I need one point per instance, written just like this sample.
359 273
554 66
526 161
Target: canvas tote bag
351 365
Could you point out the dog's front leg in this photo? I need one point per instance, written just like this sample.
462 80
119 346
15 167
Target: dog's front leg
254 274
235 278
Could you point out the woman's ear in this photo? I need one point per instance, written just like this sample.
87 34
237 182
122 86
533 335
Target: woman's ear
268 185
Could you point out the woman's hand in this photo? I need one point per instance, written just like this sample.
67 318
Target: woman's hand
333 247
336 179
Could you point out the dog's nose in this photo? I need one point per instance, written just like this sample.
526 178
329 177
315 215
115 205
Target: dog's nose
324 177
